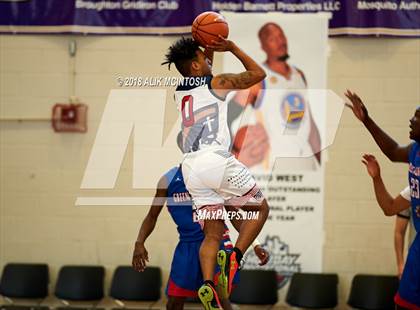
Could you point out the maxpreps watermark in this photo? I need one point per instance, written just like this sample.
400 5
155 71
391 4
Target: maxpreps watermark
160 81
222 214
137 116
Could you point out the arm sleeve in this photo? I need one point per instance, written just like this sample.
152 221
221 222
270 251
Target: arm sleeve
405 214
405 193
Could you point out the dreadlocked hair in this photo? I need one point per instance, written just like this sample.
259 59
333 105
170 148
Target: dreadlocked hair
181 53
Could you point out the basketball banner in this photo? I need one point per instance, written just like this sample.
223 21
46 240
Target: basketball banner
289 118
355 17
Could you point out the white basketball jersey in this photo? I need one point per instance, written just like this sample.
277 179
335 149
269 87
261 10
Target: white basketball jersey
283 106
282 109
204 116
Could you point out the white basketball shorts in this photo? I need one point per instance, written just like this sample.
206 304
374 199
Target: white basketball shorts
214 176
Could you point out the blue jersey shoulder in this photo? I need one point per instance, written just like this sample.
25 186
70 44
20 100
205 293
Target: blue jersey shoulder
414 152
170 174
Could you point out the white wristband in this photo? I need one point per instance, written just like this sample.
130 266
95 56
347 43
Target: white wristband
255 243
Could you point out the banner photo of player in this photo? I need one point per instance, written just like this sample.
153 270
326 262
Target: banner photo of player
278 130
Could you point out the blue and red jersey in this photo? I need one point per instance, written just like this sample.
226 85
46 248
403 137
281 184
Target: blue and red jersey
408 295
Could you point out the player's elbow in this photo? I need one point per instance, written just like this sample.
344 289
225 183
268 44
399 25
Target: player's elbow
261 75
257 77
389 211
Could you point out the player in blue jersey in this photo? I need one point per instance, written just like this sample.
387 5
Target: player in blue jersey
408 296
185 276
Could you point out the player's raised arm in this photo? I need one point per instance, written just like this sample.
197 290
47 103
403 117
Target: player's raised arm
389 205
140 254
224 83
388 146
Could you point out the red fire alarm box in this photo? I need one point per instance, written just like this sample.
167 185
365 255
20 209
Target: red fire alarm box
69 117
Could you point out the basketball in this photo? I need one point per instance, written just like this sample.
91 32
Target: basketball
208 26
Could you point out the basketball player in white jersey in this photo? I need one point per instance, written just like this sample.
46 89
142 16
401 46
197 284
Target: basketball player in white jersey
279 123
212 175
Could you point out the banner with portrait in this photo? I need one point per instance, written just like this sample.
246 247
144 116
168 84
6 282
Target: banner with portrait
279 128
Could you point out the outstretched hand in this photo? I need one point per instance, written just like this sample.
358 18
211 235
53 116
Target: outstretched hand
357 106
372 165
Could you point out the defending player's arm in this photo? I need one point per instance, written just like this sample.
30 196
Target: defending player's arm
388 146
222 84
140 255
401 223
389 205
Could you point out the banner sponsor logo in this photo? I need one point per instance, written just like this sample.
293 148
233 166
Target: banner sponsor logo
361 17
